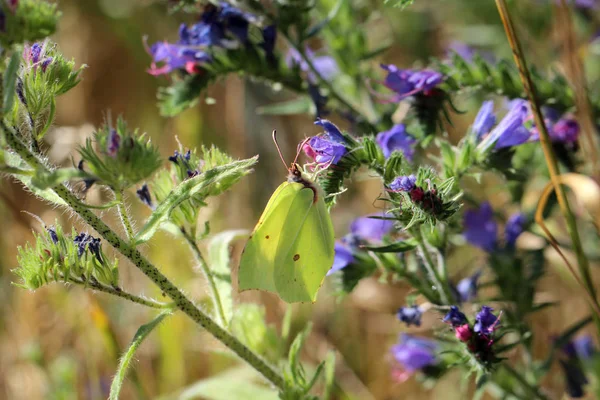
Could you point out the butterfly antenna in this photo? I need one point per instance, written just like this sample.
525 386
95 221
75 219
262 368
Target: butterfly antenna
278 149
300 149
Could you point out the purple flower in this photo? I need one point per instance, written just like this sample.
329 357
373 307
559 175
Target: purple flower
410 315
343 257
144 195
466 288
480 228
403 183
326 66
566 130
366 228
414 353
511 131
582 3
406 82
455 317
114 142
174 57
87 242
328 148
397 139
485 321
35 55
269 37
485 119
514 228
579 349
53 235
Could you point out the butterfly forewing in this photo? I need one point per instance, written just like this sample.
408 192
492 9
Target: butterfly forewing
257 262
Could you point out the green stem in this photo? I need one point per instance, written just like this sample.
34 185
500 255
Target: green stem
214 293
133 254
430 266
125 220
120 293
533 390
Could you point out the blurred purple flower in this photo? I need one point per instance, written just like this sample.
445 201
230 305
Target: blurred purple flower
410 315
397 139
511 130
144 195
407 82
565 130
514 228
366 228
455 317
269 37
114 142
485 119
582 3
328 148
466 288
414 353
485 321
403 183
480 227
326 66
581 347
577 350
212 30
318 99
343 257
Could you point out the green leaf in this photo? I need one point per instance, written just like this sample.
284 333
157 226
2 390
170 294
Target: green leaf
47 179
400 3
249 326
13 160
182 94
300 105
10 81
138 338
234 383
329 375
398 247
296 369
219 264
315 29
210 182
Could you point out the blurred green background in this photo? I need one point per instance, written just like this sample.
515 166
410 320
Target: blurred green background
64 343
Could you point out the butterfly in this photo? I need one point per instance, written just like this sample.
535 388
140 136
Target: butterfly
291 248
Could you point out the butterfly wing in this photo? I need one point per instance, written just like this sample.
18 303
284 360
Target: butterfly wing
306 248
257 263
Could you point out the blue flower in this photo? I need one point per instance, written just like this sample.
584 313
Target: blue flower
414 353
514 228
88 242
343 257
577 350
565 130
53 235
485 321
328 148
485 119
144 195
397 139
480 228
511 131
406 82
174 57
410 315
403 183
365 228
455 317
466 288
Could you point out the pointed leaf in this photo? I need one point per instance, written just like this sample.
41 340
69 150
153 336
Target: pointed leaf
213 181
315 29
300 105
398 247
138 338
10 82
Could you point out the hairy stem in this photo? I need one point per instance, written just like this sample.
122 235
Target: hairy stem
133 254
124 215
120 293
214 293
430 266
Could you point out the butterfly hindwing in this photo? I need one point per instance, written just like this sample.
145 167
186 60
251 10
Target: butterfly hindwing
306 249
258 258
